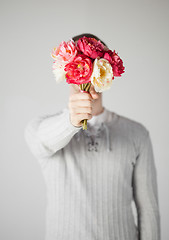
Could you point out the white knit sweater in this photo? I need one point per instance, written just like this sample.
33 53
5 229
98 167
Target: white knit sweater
93 176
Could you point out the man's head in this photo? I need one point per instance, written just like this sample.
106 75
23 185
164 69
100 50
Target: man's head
75 88
75 38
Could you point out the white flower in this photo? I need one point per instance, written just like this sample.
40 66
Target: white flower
59 73
102 75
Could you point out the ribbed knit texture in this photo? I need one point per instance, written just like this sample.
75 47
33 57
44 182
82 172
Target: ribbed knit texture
89 189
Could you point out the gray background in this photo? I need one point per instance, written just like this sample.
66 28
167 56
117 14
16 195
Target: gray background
137 30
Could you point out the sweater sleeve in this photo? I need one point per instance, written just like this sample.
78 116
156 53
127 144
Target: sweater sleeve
47 134
145 192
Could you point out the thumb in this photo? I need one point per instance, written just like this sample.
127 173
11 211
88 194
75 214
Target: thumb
93 93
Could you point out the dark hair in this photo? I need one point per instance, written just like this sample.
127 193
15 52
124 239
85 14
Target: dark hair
75 38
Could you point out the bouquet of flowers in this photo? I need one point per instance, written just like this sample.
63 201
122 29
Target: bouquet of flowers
86 62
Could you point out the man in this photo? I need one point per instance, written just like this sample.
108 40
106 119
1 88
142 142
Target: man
92 176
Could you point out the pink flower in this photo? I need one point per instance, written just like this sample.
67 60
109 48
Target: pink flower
115 61
64 54
91 47
79 71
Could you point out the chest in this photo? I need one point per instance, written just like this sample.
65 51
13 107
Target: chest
104 155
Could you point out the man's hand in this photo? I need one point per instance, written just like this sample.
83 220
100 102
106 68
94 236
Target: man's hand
80 107
81 104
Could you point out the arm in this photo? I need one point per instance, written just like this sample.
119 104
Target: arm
145 191
46 135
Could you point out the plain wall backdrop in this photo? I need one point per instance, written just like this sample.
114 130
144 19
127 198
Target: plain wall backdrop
137 30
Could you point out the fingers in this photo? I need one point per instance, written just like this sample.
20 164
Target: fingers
80 103
80 107
76 118
80 100
78 110
81 116
80 96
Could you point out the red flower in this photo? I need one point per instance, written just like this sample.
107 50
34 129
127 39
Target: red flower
90 47
115 61
79 71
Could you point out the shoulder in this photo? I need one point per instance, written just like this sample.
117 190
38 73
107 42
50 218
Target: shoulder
132 126
130 129
34 122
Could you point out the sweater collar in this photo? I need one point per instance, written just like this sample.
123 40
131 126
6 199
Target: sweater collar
101 122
